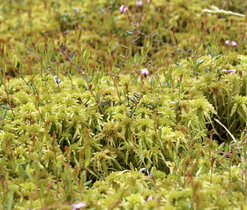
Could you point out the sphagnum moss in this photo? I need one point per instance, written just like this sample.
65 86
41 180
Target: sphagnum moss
103 107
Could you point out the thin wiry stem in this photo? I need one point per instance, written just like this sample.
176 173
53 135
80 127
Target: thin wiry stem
85 78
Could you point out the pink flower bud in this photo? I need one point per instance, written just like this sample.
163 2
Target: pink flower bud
123 9
234 44
150 197
76 9
57 80
230 71
139 3
227 42
145 72
148 1
233 71
78 205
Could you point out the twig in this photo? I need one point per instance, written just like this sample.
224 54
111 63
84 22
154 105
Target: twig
226 130
216 10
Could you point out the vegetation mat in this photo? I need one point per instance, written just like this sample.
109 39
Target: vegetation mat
123 104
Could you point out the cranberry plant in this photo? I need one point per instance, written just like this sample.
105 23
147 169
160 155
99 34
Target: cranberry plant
123 104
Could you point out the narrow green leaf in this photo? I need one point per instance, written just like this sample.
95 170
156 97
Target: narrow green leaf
21 172
87 162
217 57
160 133
105 102
155 35
149 106
1 81
10 199
200 62
136 95
20 68
125 47
5 49
169 85
15 62
53 128
210 51
129 32
240 186
90 79
5 107
137 38
84 53
221 147
4 114
87 183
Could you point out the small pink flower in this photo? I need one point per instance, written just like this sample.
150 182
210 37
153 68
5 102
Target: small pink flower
76 9
57 80
123 9
150 197
145 72
231 71
78 205
139 3
148 1
227 42
234 44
